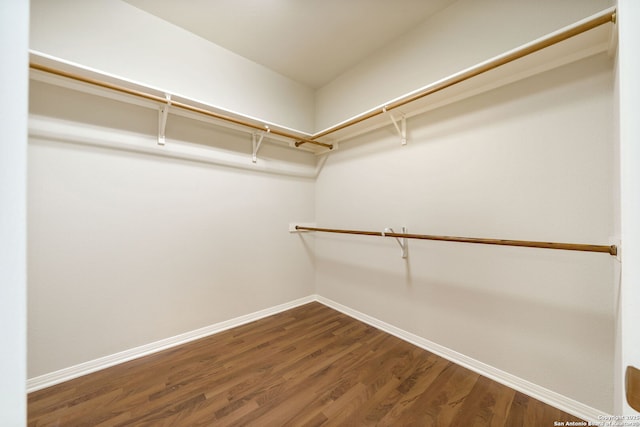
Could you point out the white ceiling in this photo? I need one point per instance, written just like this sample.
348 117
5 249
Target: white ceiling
310 41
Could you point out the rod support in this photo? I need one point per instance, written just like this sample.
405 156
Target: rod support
256 144
402 128
404 246
162 119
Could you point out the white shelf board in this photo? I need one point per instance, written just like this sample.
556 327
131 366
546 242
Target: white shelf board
592 42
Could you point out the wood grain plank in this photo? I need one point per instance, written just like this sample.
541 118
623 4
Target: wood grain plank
309 366
486 405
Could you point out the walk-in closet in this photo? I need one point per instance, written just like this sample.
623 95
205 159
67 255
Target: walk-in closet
321 213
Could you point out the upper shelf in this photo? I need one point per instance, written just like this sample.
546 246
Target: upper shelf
590 36
55 71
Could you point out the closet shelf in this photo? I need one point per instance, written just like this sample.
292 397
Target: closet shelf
588 37
58 72
582 39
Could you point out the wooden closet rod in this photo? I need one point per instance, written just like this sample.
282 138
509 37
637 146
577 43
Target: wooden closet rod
612 249
595 21
174 103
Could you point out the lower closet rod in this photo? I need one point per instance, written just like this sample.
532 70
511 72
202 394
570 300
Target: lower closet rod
612 249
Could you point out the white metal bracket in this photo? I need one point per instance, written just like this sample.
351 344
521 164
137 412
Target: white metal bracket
257 143
162 119
402 129
404 247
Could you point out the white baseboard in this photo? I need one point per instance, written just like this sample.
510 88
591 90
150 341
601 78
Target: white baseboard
66 374
540 393
537 392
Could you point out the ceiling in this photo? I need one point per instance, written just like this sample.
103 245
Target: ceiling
309 41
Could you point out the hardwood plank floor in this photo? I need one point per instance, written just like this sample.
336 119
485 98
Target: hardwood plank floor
309 366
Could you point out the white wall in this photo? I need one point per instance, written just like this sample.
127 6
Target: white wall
629 105
126 249
533 161
14 32
114 37
458 37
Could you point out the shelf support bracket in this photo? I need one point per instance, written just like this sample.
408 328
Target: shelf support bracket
402 128
162 119
256 144
404 247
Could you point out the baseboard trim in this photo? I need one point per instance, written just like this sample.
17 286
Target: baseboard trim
547 396
66 374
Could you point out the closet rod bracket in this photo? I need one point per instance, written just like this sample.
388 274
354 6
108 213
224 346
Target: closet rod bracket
257 142
162 119
402 128
404 246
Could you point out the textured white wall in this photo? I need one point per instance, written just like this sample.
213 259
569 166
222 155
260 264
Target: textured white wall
14 33
127 249
458 37
532 160
114 37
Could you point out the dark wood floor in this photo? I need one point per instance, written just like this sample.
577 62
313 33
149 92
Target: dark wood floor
309 366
